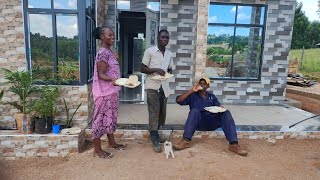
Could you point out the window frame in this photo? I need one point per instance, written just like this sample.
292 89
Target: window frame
80 13
236 25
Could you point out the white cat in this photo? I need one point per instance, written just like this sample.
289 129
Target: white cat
168 146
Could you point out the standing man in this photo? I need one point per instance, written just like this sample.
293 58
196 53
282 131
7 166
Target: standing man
157 60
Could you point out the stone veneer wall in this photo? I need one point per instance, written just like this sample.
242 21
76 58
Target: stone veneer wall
14 145
101 12
144 134
90 105
12 50
110 16
271 88
12 56
179 17
74 95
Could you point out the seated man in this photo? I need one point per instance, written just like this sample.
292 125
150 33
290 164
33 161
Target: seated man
199 119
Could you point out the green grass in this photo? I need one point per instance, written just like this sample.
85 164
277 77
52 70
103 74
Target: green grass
311 61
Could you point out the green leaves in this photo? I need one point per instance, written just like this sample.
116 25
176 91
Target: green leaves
45 106
22 85
305 33
69 121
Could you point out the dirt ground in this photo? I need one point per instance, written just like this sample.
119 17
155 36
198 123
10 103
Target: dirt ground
207 159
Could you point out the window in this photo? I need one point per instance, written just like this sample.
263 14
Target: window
153 5
57 46
91 42
123 5
235 41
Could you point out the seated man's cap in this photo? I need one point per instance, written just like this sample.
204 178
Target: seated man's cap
206 79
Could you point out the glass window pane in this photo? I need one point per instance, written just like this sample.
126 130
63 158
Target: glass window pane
219 51
222 14
247 53
154 6
124 5
244 15
90 8
65 4
41 45
250 15
68 48
262 15
39 4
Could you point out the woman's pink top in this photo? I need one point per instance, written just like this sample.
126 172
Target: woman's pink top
101 87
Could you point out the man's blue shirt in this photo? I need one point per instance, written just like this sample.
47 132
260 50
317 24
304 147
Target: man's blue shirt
195 100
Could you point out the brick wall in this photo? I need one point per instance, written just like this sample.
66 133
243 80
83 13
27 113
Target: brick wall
179 18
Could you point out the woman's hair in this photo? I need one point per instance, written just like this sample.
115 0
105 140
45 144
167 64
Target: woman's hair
98 31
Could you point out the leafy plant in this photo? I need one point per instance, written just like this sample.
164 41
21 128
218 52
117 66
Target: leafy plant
21 85
69 121
46 105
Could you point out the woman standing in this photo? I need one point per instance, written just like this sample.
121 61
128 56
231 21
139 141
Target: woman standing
105 93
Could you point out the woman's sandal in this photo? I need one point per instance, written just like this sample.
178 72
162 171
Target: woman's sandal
104 155
119 147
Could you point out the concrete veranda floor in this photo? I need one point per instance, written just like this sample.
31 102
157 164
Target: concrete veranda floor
244 115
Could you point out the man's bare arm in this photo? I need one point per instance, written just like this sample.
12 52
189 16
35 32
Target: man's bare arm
146 70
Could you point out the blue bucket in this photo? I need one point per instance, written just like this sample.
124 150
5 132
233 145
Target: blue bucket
56 129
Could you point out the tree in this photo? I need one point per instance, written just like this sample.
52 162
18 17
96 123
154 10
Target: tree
300 29
314 33
319 8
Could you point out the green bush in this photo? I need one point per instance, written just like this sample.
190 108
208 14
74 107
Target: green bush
46 105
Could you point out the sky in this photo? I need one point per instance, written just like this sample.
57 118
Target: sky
125 5
67 25
310 8
226 14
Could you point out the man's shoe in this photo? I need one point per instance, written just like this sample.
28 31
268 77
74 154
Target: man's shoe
237 149
183 144
154 136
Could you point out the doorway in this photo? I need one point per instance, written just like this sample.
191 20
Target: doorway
136 30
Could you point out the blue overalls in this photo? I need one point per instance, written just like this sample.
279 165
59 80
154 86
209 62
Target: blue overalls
200 119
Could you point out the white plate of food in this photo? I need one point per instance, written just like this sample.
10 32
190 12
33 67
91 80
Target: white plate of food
163 78
130 82
215 109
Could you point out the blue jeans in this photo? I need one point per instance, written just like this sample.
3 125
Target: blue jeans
206 121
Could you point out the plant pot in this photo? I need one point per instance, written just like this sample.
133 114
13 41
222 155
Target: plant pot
25 123
43 125
63 126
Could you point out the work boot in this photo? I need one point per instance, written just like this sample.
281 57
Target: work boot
183 144
237 149
154 136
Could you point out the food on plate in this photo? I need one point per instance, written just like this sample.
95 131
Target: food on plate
133 80
162 78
